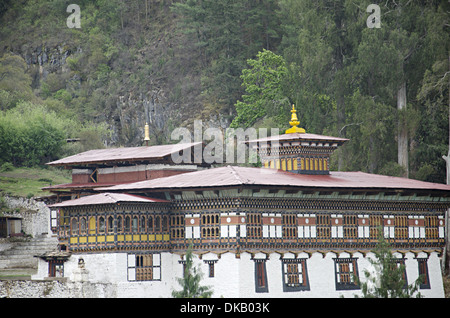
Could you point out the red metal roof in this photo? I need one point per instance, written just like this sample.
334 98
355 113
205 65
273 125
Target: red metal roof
105 198
89 185
122 154
236 176
300 137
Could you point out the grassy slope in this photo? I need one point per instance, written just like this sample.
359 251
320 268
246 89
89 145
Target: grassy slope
27 182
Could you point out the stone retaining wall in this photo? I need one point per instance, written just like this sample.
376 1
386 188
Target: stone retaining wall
55 289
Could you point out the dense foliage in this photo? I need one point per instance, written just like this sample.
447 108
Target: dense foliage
244 62
265 95
387 278
191 281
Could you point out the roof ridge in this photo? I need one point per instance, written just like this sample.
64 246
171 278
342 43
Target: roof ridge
238 177
235 174
110 197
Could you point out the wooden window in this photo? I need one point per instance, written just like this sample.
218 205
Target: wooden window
119 224
210 225
92 223
431 227
144 267
400 263
55 268
134 224
177 226
289 225
375 224
254 225
323 226
423 273
295 276
350 226
144 270
401 227
150 224
346 271
177 233
74 226
142 224
261 277
210 267
176 220
54 219
157 223
83 225
63 220
127 224
165 223
101 224
110 224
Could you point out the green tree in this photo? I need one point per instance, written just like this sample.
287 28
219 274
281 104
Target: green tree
15 83
190 283
388 280
320 38
31 135
353 79
265 94
226 33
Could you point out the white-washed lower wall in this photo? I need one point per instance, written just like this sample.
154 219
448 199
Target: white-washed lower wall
233 277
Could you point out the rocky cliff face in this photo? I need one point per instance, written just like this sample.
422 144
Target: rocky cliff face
140 73
129 109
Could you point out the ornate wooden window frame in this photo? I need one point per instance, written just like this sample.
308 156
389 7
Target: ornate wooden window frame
423 271
346 273
146 267
295 275
261 282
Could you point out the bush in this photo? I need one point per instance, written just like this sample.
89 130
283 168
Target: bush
7 166
393 169
30 135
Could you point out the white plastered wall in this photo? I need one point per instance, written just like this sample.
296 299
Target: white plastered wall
235 277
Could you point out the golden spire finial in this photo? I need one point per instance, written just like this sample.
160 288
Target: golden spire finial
294 123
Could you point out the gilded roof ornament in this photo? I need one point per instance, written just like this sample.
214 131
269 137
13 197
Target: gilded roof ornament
294 123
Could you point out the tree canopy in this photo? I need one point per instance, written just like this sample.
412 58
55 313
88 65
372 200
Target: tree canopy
388 280
243 63
191 281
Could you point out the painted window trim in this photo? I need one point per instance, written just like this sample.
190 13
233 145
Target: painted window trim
261 282
422 264
132 266
352 285
301 262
